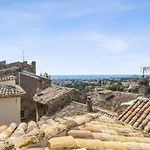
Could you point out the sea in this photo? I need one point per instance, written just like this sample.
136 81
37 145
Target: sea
89 77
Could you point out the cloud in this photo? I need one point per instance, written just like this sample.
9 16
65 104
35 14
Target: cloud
107 42
55 34
79 53
74 8
97 7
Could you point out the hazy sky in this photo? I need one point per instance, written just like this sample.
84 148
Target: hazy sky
77 36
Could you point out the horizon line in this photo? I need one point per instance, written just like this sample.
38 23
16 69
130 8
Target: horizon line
95 74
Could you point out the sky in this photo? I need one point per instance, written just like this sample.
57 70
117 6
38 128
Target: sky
77 37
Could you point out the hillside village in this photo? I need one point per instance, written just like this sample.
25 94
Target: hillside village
36 112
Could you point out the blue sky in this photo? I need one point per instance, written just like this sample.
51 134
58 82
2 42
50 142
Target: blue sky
77 36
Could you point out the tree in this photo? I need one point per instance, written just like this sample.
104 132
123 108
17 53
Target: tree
144 82
46 75
145 70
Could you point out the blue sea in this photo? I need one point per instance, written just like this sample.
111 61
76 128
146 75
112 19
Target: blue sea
89 77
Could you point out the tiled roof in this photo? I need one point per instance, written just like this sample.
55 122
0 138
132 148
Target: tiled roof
91 131
113 103
138 114
11 91
33 75
76 108
6 78
51 93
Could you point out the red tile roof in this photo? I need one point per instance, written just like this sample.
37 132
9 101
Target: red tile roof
11 91
91 131
138 114
6 78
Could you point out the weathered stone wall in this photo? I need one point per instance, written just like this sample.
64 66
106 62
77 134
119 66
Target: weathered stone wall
42 109
24 66
64 100
45 83
2 65
16 64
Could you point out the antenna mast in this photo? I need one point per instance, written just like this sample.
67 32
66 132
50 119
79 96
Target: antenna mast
23 57
23 54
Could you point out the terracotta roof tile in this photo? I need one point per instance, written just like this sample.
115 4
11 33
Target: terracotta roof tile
138 114
11 91
51 93
91 131
6 78
76 108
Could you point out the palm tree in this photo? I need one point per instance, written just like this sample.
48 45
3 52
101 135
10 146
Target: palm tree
145 70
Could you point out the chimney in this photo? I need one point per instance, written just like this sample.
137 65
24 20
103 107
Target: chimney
33 66
2 65
89 104
24 65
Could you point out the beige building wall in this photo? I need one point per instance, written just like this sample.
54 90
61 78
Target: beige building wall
9 110
8 82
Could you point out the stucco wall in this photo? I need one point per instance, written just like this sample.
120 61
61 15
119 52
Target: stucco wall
9 110
30 86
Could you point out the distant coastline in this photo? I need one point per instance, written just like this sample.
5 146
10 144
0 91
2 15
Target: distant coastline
89 77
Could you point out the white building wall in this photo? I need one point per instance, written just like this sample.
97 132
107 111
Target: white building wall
9 110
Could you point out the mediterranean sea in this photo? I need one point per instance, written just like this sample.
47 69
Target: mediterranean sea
89 77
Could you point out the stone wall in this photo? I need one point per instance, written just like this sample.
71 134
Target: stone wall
59 103
2 65
45 83
24 66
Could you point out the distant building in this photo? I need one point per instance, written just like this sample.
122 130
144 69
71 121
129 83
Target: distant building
54 98
105 94
22 65
10 100
25 76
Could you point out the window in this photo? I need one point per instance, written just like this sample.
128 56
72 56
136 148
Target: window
22 115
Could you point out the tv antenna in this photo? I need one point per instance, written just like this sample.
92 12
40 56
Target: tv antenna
144 69
23 54
23 58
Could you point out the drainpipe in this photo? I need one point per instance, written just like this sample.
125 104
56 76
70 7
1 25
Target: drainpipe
37 114
19 78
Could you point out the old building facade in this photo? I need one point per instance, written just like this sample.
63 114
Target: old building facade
10 100
54 98
25 76
22 65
